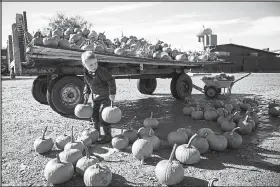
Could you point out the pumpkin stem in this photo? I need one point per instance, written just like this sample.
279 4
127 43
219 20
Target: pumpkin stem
57 157
190 141
150 132
43 137
72 135
232 131
173 152
151 115
246 118
210 183
111 104
142 161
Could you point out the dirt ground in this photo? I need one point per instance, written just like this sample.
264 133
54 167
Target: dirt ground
256 163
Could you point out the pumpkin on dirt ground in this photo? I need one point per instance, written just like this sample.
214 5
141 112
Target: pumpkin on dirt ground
228 125
201 144
145 131
155 141
131 133
188 109
151 122
170 172
218 104
57 171
211 115
120 141
73 144
178 137
217 142
203 132
85 162
43 144
92 133
197 114
187 153
98 175
222 118
273 104
234 139
245 125
274 111
188 131
142 149
111 114
62 140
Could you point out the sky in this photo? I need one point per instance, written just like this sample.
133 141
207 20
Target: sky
252 24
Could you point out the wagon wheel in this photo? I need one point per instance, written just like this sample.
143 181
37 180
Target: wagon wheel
181 86
147 86
64 93
211 91
39 89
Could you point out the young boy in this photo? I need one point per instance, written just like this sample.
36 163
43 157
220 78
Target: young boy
101 84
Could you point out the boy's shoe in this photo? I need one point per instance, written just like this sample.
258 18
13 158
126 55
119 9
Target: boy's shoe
107 137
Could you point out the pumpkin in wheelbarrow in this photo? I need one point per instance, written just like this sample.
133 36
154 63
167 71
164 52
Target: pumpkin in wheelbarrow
83 110
111 114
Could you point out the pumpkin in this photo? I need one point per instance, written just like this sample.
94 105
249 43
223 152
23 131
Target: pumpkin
197 114
169 172
85 139
76 30
120 141
274 111
254 116
217 142
151 122
155 141
245 125
201 144
142 149
85 32
80 34
273 104
111 114
88 47
253 109
145 131
181 57
211 115
228 125
43 144
237 117
188 154
178 137
109 50
98 175
85 162
69 31
157 55
166 57
71 155
229 107
119 51
74 38
92 35
222 112
37 41
92 133
83 110
244 106
187 110
234 139
203 132
102 36
50 42
219 103
188 131
191 102
207 107
124 39
62 140
167 49
58 172
99 48
74 145
131 133
223 118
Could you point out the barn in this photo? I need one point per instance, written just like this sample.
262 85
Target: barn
246 59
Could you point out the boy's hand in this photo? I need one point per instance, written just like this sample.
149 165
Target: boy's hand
112 97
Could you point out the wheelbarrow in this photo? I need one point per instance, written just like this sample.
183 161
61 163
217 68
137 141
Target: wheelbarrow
215 85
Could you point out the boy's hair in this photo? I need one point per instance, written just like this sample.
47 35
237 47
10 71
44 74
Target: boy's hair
87 55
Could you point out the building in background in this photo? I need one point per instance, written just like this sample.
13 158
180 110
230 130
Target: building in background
246 59
4 62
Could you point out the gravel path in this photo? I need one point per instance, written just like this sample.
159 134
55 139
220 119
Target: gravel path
256 163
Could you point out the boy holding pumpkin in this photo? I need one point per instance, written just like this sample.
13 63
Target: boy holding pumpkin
102 86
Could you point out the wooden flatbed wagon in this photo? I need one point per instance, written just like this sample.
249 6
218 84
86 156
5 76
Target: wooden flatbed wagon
60 73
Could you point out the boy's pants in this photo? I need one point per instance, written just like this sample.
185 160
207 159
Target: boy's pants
97 111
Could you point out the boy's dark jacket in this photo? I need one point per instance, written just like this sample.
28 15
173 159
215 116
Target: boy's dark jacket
101 84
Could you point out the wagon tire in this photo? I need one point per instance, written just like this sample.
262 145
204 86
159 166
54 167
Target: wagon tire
211 92
181 86
147 86
64 93
39 89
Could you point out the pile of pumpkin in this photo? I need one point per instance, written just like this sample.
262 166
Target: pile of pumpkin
84 39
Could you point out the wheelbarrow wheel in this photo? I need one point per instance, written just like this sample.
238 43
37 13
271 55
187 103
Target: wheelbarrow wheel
211 91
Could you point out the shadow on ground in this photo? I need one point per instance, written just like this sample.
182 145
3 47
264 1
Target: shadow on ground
168 112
